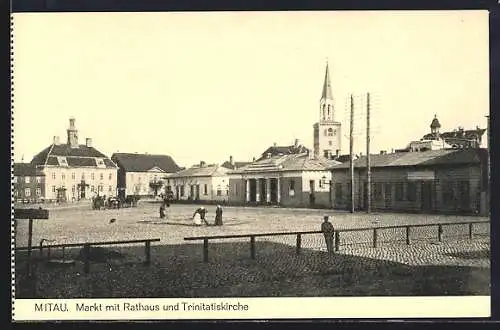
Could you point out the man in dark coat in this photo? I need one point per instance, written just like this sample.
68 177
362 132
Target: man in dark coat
328 232
218 216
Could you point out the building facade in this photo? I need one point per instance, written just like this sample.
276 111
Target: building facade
75 171
293 180
327 131
200 183
433 181
28 183
143 174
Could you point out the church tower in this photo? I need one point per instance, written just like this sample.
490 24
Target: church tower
72 134
327 133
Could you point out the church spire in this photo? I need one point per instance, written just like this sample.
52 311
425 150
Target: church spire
327 90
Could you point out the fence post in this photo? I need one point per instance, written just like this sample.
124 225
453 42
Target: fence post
407 235
440 233
337 240
86 258
299 243
148 252
30 237
252 247
374 237
63 254
205 250
470 230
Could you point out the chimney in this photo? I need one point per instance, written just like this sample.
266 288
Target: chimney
296 144
56 140
88 142
202 164
253 159
231 160
269 155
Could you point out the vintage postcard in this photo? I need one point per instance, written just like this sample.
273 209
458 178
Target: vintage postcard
250 165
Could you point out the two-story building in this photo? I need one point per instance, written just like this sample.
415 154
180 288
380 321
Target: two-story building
75 171
143 174
28 183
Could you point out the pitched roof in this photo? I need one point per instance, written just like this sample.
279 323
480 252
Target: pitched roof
235 165
422 158
144 162
293 162
327 90
197 171
26 169
75 156
283 150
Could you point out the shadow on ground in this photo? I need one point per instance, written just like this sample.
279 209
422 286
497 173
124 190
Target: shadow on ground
179 271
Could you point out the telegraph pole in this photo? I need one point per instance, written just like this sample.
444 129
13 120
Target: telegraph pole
351 162
368 166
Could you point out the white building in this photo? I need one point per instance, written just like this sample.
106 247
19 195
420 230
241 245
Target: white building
143 174
75 171
201 182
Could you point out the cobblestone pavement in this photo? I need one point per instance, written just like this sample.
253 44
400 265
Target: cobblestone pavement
455 266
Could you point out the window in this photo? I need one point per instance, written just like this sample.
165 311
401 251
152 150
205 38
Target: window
219 191
377 191
27 192
38 179
63 176
101 188
330 143
53 189
73 175
320 183
83 176
448 192
338 192
15 193
330 132
205 189
182 190
53 175
328 111
399 191
73 189
411 191
292 188
92 176
227 192
111 176
326 153
91 188
27 179
14 180
326 132
110 189
38 192
102 176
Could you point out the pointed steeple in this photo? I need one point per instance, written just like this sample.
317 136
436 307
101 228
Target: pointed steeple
327 90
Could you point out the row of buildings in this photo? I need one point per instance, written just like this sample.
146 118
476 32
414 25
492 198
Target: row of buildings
439 172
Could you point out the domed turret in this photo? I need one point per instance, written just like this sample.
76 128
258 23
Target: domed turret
435 126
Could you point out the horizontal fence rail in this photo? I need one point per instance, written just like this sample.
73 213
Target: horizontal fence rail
376 236
87 245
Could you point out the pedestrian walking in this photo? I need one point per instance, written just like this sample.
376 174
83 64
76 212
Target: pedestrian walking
218 216
162 211
328 232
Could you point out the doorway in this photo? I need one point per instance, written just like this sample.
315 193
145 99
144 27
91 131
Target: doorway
426 195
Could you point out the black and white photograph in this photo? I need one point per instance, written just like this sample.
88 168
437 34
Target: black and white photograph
206 158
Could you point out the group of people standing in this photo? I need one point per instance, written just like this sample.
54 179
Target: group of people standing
199 215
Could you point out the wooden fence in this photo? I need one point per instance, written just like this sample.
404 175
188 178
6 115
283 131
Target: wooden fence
299 234
86 248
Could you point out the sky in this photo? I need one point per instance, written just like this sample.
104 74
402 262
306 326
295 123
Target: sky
204 86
